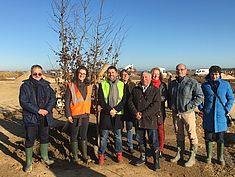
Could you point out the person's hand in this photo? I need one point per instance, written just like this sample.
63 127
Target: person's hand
43 112
113 112
138 115
200 114
70 119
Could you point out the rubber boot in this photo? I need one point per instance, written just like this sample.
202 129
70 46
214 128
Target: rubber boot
220 153
208 152
74 150
44 154
119 157
83 144
142 159
156 162
29 158
180 152
101 159
192 160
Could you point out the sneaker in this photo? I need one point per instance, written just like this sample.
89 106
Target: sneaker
119 157
101 159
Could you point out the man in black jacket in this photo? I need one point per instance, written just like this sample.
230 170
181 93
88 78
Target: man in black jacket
37 100
145 105
111 97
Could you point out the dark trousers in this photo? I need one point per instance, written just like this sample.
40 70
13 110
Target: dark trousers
212 136
79 129
152 137
35 131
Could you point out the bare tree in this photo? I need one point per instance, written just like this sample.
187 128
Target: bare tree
85 39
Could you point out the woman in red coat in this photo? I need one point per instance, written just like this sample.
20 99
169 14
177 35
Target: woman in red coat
158 83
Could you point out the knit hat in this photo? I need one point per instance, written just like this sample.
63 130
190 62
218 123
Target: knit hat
215 69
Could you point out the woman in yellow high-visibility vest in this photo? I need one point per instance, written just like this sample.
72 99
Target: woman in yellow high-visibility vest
77 110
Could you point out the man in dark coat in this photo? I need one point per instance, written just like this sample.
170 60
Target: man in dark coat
111 98
37 100
145 105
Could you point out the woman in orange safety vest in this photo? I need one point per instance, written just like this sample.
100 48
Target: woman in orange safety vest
77 110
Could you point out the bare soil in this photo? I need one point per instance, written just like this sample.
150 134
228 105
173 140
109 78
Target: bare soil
12 154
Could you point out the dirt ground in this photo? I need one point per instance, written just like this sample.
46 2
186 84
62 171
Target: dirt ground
12 155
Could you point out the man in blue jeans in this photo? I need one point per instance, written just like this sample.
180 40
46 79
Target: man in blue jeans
145 106
112 97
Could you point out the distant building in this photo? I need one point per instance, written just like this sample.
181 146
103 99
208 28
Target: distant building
201 72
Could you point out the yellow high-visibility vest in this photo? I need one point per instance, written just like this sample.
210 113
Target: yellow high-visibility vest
106 88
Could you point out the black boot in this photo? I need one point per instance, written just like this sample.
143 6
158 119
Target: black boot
142 159
156 161
85 157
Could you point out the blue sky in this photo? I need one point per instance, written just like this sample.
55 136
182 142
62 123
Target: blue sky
199 33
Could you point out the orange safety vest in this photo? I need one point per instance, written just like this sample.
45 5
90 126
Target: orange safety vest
78 105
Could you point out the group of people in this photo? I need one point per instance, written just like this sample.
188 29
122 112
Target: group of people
140 106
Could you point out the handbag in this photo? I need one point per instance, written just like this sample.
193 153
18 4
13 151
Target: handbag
229 118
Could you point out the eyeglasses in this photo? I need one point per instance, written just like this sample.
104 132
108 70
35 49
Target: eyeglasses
37 74
180 69
82 74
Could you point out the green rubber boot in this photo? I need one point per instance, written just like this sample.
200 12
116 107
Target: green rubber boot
44 154
180 152
83 144
192 160
74 149
29 158
208 152
220 153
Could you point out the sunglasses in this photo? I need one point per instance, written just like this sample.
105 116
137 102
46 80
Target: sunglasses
37 74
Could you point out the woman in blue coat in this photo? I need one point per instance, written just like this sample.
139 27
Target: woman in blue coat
216 92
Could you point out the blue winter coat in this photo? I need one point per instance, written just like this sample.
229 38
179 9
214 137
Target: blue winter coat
214 116
30 106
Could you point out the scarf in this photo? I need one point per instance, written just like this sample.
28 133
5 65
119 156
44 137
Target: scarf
156 83
113 93
40 91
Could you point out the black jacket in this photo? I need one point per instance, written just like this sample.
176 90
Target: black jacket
148 103
28 102
127 114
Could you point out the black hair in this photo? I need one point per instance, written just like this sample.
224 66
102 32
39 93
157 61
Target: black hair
112 67
215 69
35 66
124 70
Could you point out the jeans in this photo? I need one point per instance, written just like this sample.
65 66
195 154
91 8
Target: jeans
104 140
152 136
129 132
